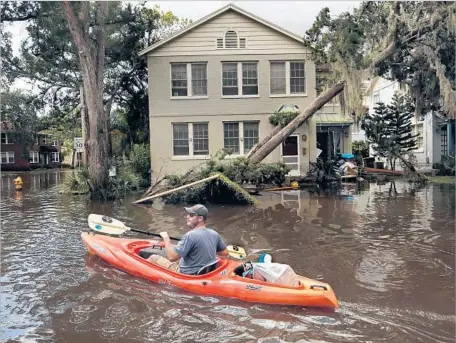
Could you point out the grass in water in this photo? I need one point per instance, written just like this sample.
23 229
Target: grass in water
442 179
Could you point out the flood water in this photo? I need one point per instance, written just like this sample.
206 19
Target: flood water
389 258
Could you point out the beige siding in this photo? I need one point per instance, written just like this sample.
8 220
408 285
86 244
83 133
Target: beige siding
202 40
161 147
199 45
161 103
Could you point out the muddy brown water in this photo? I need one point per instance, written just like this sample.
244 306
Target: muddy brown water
390 259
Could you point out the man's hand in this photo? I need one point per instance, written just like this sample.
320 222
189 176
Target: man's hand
165 236
171 254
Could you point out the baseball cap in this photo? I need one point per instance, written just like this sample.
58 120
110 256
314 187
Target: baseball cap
198 209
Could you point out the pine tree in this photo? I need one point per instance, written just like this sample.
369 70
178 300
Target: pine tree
389 129
377 129
400 114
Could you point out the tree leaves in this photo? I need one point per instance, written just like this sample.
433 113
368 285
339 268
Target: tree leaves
49 58
401 32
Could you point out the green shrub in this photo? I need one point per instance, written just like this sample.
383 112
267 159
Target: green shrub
76 182
240 171
282 118
126 181
140 160
361 150
447 166
218 191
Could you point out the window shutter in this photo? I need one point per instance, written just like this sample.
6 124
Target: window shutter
219 43
242 43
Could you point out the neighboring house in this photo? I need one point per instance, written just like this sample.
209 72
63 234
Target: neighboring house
15 156
436 135
214 85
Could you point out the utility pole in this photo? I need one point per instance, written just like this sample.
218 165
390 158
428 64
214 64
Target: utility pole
83 125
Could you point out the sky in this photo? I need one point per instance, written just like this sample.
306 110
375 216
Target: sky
295 16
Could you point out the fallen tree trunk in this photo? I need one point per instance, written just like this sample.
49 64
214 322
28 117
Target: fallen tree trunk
278 138
176 189
271 134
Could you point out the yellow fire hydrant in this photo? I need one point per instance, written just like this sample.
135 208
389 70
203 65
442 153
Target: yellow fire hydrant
18 182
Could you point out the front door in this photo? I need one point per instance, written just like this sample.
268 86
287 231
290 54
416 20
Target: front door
290 154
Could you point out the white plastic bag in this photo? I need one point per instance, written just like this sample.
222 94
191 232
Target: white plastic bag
278 273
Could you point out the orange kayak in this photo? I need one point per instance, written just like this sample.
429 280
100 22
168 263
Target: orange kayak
222 281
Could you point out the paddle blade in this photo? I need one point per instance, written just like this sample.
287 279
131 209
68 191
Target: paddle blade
105 224
235 252
110 230
106 221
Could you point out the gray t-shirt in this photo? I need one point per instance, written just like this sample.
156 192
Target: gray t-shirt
198 248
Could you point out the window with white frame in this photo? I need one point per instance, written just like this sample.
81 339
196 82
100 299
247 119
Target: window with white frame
190 139
55 143
8 157
287 77
239 78
34 157
240 137
420 137
55 157
189 79
6 139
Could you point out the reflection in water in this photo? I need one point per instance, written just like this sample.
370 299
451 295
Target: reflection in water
389 257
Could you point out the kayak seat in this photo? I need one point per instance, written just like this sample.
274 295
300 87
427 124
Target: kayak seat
208 268
154 250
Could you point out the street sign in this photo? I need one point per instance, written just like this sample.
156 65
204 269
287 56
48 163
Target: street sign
78 144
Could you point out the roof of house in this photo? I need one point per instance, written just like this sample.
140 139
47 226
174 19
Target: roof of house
324 119
215 14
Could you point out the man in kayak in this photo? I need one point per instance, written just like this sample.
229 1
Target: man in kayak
197 248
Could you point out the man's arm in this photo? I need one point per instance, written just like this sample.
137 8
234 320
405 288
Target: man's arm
222 250
171 254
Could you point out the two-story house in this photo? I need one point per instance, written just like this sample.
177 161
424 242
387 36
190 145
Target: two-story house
214 84
44 152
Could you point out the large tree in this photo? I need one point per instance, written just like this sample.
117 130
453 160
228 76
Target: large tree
96 45
368 42
90 45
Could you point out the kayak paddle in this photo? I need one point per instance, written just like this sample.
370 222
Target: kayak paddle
112 226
